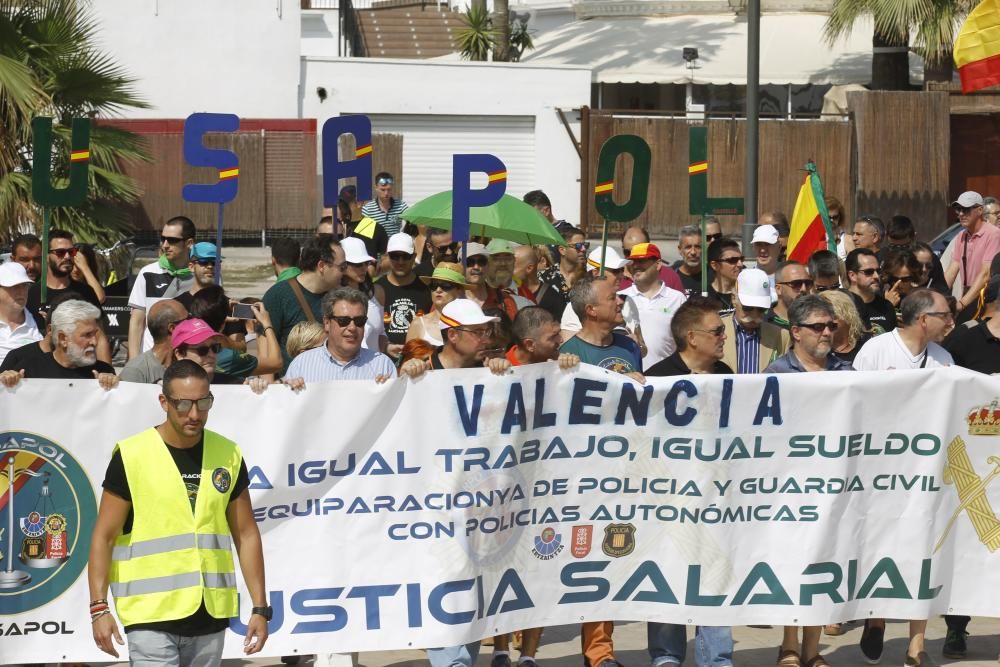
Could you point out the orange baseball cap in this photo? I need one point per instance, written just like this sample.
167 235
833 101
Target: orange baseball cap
644 251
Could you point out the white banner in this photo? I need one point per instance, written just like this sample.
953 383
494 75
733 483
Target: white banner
436 512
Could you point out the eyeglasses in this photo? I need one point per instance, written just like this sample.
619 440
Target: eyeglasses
449 249
806 283
823 288
342 320
944 315
964 210
582 245
733 261
443 286
754 310
385 181
906 279
399 256
478 333
204 350
62 252
868 272
477 260
900 244
819 326
171 240
835 218
183 405
713 237
717 331
205 262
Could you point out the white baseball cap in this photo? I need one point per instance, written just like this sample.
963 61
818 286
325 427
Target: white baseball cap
12 274
765 234
464 313
969 199
472 249
612 260
401 243
753 288
355 251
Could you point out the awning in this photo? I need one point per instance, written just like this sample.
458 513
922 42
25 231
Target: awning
648 50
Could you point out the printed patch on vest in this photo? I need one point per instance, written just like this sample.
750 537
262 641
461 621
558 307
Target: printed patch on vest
221 480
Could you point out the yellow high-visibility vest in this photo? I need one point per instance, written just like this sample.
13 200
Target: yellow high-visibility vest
173 558
366 228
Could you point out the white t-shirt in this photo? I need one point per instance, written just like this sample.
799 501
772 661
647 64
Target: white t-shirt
22 334
888 352
655 314
153 284
375 326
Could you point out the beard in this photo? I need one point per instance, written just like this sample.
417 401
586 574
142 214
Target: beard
81 355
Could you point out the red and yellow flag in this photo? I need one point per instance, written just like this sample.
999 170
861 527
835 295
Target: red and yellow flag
977 47
810 227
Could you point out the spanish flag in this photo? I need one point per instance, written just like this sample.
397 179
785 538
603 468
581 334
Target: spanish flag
810 228
977 47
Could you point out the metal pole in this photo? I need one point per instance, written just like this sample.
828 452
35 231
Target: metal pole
753 118
218 248
704 257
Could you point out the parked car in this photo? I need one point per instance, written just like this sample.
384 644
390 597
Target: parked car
940 242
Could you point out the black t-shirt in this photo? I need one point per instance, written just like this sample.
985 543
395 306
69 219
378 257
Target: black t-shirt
879 315
850 354
83 290
377 244
973 346
725 300
23 356
225 378
402 304
692 284
674 365
38 364
188 462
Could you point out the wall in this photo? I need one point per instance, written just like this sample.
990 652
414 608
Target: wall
190 55
320 32
377 86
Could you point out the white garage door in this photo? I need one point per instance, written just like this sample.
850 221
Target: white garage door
430 141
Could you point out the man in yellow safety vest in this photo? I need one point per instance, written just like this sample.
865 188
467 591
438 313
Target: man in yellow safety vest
175 501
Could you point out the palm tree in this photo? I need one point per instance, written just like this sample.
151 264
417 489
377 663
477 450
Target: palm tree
933 24
501 49
477 37
50 67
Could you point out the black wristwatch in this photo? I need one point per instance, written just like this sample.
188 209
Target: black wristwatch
266 612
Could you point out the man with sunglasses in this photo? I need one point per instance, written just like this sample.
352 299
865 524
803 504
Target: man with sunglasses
975 247
865 286
572 263
406 297
824 269
726 261
437 248
925 320
345 312
751 343
165 278
812 323
633 236
175 500
385 209
204 256
791 281
63 256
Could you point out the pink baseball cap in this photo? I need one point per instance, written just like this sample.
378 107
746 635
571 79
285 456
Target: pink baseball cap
192 332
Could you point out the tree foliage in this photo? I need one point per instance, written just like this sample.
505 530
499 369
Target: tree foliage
49 66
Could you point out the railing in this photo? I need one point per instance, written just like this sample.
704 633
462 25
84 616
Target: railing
371 4
350 29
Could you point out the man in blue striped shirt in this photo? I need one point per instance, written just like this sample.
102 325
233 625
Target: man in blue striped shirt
384 209
342 358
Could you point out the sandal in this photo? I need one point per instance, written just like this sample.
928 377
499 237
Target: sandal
833 629
788 658
816 661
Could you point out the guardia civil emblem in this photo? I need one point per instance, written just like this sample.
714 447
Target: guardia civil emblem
221 480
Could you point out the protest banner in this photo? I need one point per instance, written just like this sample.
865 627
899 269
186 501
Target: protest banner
438 511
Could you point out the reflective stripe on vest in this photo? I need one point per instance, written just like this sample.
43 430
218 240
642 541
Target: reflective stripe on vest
161 545
175 559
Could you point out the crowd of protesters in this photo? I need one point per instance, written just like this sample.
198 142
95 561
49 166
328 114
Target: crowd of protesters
370 297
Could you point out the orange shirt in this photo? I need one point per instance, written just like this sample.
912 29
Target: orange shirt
512 356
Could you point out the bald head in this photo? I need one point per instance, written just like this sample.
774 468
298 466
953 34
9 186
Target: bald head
633 236
162 317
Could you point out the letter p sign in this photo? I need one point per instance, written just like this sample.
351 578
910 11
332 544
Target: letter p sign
463 197
197 155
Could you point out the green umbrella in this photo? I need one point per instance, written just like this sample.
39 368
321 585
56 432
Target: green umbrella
510 219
